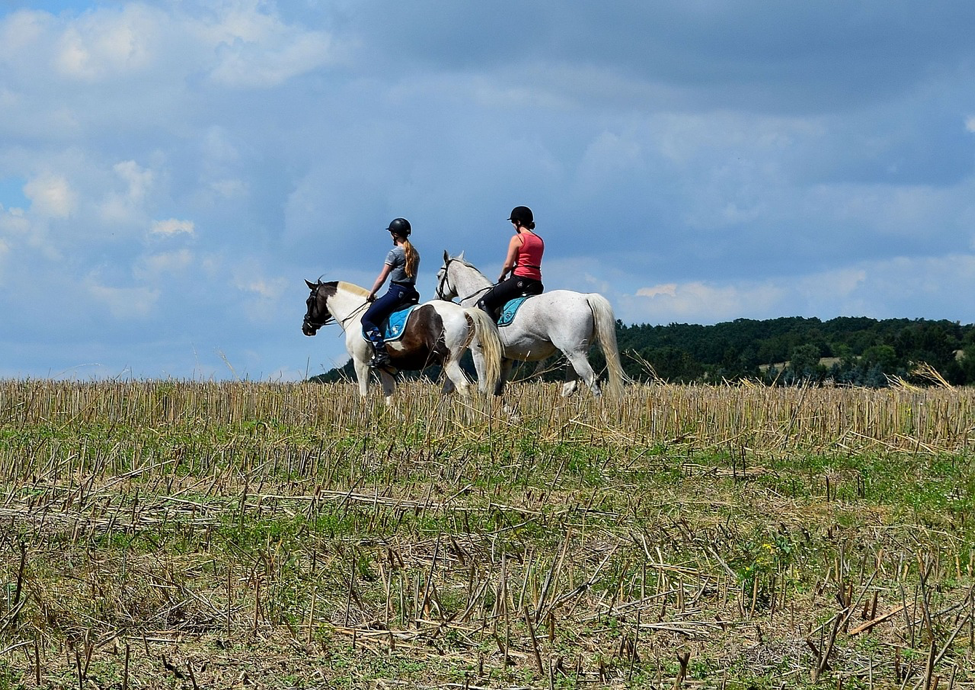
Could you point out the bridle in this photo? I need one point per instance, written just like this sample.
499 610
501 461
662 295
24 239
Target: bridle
308 322
315 325
443 279
443 283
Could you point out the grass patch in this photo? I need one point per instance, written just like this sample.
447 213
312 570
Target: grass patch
279 536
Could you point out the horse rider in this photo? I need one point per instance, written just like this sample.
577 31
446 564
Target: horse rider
400 267
524 262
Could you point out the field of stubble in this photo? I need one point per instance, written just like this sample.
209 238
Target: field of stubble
259 535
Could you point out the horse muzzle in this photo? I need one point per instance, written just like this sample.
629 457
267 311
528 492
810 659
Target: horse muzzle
309 328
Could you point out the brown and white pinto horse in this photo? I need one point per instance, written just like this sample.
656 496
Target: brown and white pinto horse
437 332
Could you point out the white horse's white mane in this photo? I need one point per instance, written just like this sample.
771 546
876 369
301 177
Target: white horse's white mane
460 258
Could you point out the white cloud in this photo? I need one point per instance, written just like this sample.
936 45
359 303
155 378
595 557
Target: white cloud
20 31
152 268
172 226
262 295
123 303
904 287
139 179
267 289
13 222
105 44
137 48
697 301
51 196
127 206
706 178
667 289
229 189
255 48
268 66
28 237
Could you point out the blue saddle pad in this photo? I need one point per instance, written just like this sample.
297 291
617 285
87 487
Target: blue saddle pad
395 324
509 310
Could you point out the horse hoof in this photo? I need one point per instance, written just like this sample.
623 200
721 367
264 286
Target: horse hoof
513 416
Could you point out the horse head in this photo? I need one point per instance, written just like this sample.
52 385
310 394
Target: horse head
316 314
445 288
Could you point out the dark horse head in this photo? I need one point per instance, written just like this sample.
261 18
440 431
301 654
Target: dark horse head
316 314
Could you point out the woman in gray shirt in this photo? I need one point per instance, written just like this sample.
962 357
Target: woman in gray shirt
400 267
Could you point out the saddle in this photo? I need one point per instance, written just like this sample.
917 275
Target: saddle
395 324
509 310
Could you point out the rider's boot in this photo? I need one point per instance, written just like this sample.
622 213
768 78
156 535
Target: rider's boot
380 358
494 314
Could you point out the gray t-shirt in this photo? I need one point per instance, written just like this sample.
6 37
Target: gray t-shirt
397 259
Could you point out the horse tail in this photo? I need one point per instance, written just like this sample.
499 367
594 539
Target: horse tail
486 332
602 312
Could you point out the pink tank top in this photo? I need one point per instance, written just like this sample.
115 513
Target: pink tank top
530 257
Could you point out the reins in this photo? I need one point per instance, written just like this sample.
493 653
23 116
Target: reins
475 293
443 280
330 318
443 283
318 324
355 311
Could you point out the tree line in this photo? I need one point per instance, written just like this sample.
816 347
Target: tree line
846 350
857 351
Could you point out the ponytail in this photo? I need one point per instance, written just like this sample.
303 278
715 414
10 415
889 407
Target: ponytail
412 258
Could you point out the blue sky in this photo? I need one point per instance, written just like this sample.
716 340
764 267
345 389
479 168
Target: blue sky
171 172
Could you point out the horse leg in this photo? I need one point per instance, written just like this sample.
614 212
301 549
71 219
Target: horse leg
478 356
579 368
389 384
456 378
448 385
571 381
362 375
506 365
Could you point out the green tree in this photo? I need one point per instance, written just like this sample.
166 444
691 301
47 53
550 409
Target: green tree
804 363
883 355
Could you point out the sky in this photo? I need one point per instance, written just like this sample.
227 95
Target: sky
172 171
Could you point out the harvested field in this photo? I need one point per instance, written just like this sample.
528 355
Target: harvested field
192 535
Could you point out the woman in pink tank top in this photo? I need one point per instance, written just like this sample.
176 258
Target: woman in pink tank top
524 262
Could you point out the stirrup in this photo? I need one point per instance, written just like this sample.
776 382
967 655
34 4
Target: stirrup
380 359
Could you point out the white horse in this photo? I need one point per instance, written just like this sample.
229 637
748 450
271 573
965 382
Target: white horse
560 320
437 332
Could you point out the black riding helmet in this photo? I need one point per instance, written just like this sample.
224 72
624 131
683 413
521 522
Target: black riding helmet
400 226
521 215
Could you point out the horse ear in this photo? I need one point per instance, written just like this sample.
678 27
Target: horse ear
446 256
311 285
461 256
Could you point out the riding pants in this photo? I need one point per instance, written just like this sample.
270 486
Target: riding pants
398 295
507 290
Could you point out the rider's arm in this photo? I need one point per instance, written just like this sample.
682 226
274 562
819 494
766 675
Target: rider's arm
380 279
512 259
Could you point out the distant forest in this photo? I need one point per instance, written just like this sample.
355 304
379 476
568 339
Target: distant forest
856 351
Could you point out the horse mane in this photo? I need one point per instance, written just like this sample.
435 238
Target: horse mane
460 258
353 288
